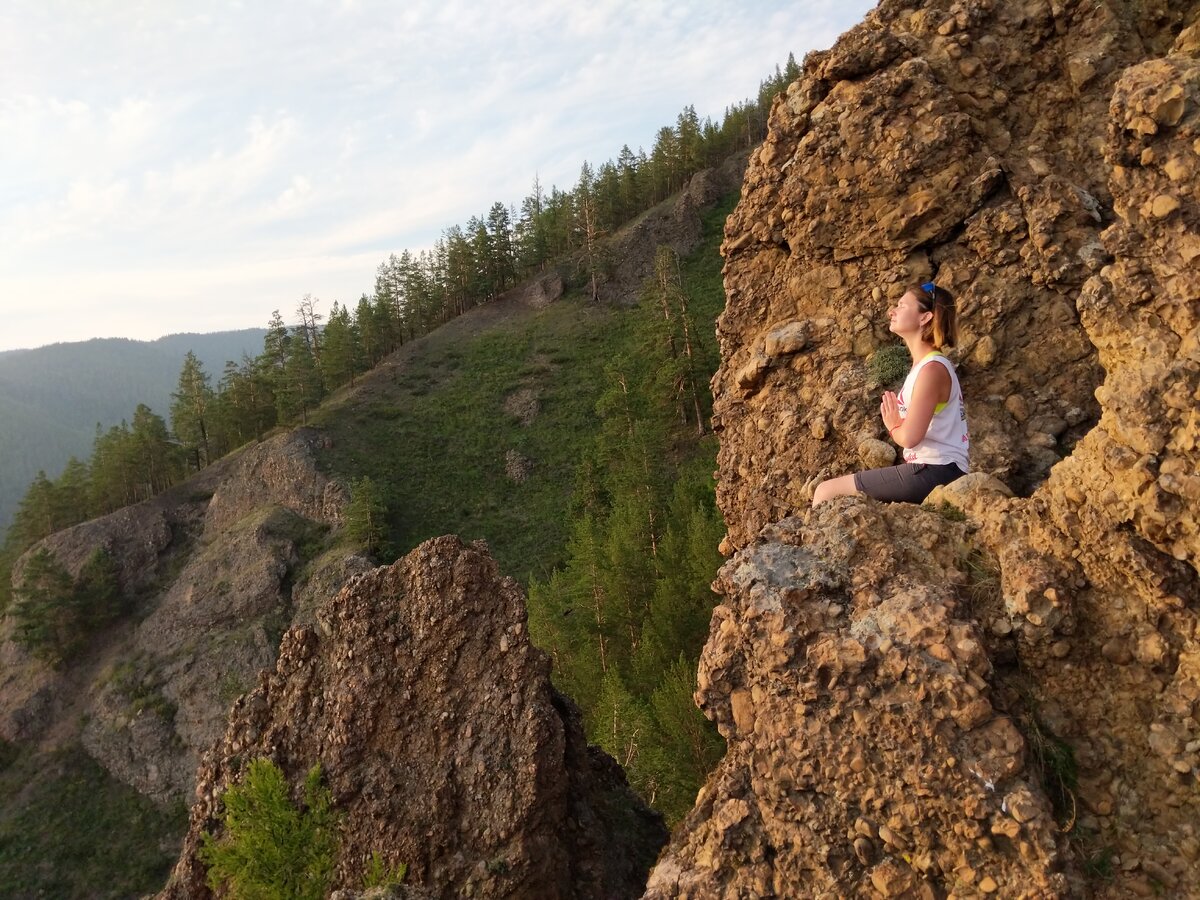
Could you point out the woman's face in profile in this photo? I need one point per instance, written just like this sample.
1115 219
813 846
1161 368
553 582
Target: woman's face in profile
905 317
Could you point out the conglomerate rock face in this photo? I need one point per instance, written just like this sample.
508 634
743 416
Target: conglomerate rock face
1040 160
441 740
959 140
851 683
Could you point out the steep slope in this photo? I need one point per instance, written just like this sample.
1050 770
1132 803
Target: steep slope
219 567
213 562
1039 160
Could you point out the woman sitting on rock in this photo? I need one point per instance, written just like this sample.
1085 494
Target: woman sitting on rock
927 419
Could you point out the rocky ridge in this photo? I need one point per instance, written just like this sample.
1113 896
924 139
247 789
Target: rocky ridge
1040 160
212 565
443 742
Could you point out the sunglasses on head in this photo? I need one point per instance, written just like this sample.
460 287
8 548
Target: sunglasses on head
931 289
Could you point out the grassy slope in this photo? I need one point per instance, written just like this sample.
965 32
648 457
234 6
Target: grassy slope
433 432
69 830
430 425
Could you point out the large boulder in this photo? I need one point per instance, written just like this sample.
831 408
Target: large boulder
441 739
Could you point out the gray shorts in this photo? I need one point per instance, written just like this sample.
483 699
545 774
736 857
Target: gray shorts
907 483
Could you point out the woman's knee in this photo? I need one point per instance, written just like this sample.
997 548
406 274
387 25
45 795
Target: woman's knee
834 487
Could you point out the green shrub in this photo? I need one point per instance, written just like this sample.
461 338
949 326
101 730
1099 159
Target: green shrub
379 874
889 364
54 613
950 512
270 849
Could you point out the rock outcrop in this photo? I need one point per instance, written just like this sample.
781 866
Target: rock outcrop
441 739
851 682
1039 159
675 223
212 564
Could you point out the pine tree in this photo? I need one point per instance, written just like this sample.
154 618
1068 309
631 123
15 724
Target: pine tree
44 608
155 457
343 357
366 515
190 405
35 516
299 387
114 469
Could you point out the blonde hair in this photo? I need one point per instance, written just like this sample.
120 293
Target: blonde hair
942 329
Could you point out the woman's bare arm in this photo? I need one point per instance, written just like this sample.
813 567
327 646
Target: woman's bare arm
932 388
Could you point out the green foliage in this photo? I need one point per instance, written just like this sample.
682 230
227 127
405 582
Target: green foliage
191 408
1054 759
950 512
626 616
270 849
889 364
1098 863
69 830
1051 756
433 440
379 874
366 515
44 609
54 613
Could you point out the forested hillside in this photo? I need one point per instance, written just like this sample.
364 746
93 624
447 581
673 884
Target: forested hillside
52 398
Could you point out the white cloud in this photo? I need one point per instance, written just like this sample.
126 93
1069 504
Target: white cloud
167 163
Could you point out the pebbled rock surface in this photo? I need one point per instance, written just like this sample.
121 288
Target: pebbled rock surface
441 739
1041 160
865 755
962 140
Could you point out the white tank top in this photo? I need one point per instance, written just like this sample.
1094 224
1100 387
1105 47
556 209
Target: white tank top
946 440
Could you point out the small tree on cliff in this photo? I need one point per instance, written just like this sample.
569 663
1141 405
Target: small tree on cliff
44 608
272 849
366 515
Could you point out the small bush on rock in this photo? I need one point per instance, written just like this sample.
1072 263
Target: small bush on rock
270 849
379 874
889 364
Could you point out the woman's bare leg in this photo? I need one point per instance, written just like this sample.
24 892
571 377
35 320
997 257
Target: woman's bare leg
834 487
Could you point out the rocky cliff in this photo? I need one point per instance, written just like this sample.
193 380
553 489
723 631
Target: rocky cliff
444 744
1008 705
212 569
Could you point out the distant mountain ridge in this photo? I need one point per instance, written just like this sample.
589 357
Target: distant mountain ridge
52 397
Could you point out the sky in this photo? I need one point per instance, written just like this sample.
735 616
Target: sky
169 167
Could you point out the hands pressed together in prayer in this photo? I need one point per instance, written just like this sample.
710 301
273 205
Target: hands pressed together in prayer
889 411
